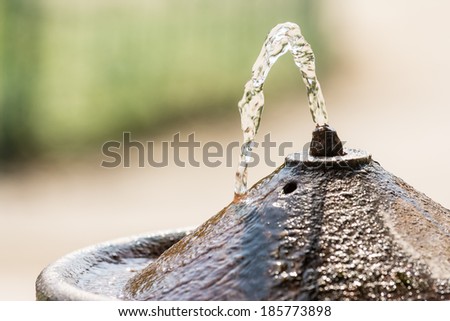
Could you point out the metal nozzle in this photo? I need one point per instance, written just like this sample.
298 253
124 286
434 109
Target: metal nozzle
325 142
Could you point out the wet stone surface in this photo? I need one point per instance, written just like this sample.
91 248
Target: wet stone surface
100 272
311 233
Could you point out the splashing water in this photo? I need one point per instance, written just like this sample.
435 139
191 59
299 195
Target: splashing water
284 37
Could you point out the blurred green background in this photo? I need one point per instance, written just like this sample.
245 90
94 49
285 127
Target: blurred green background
77 73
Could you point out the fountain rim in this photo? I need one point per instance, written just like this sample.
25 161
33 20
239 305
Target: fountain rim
353 158
53 283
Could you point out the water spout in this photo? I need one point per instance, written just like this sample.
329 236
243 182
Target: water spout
281 39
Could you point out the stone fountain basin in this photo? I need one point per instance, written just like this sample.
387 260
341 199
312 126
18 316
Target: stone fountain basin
99 272
352 233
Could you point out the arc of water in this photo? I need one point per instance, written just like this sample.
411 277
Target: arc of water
284 37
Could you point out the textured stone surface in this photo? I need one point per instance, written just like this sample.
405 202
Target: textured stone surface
311 233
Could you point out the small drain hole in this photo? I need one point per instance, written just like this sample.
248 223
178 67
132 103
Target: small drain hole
289 187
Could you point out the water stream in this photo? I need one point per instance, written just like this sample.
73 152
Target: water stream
284 37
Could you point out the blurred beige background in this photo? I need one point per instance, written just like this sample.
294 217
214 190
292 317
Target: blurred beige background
386 92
